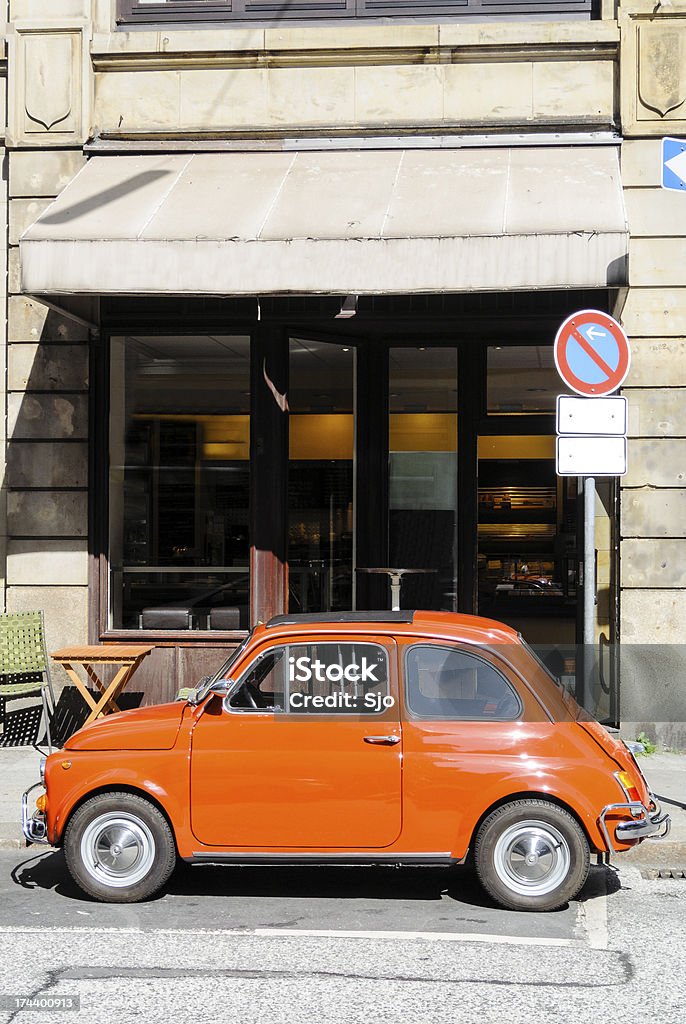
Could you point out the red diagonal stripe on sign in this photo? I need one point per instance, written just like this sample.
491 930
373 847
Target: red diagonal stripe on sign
592 354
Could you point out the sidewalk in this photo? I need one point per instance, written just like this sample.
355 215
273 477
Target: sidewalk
666 774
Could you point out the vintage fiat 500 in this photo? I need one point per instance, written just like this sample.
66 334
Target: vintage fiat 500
353 738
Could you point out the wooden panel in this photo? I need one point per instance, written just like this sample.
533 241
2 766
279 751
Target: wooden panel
167 668
195 662
156 677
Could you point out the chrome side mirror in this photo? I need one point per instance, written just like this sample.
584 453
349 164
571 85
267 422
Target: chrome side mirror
221 687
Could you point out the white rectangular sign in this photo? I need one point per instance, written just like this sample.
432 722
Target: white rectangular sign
591 456
597 416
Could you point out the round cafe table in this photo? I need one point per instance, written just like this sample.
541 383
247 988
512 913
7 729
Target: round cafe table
395 576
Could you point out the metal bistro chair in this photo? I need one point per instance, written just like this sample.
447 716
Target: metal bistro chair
24 667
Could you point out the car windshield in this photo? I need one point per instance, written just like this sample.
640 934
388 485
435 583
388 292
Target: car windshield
208 682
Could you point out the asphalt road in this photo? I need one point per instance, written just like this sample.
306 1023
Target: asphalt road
287 946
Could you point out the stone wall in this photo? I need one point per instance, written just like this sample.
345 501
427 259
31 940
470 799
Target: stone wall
47 426
653 499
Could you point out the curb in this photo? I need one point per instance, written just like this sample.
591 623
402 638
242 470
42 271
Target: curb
10 836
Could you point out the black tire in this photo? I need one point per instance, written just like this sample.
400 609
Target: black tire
119 848
531 855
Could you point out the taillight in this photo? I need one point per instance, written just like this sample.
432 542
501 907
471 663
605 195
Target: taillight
629 787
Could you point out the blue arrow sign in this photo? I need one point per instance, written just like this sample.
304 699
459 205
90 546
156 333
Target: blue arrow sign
598 359
674 164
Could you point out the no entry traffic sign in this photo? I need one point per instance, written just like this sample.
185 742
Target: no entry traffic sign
592 353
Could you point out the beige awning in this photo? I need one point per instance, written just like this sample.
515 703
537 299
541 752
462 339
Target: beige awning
365 222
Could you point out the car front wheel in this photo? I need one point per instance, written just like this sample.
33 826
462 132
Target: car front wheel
119 848
531 855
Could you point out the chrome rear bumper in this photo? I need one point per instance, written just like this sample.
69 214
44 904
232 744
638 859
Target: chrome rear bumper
647 823
34 827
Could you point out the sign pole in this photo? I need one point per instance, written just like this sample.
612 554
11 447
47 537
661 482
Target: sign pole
585 677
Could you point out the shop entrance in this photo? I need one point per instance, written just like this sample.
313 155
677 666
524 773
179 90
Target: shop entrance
267 467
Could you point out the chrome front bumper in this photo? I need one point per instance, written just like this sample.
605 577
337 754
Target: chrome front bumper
35 827
647 823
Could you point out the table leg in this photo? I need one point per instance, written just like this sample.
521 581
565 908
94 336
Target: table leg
78 682
396 580
99 685
111 692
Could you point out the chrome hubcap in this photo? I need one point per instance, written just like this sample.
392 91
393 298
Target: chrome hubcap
532 858
118 849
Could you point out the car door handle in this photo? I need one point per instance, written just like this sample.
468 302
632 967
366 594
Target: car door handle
387 741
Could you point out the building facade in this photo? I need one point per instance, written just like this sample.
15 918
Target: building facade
291 319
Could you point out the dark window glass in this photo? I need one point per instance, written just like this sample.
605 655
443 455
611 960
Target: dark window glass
179 482
320 476
262 687
446 683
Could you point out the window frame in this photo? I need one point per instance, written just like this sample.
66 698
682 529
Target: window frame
324 713
410 713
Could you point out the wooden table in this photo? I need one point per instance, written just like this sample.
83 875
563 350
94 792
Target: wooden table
127 656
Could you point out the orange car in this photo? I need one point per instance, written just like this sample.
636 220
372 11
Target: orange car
352 738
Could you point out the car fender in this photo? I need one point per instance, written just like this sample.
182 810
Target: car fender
71 781
553 784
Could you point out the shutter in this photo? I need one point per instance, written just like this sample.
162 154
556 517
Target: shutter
471 8
278 10
275 11
411 8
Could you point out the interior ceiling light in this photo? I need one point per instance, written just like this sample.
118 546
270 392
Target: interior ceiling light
348 308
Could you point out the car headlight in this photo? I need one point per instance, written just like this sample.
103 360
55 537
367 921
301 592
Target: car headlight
42 768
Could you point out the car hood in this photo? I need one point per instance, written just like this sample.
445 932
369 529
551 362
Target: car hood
153 728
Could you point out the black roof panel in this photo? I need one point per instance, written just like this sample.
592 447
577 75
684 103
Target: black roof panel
326 618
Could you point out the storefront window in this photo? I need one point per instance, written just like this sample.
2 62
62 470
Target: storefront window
320 476
522 379
422 518
526 514
179 482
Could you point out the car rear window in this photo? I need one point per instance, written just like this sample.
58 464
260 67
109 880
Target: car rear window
450 683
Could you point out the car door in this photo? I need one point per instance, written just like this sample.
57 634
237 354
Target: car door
464 731
304 752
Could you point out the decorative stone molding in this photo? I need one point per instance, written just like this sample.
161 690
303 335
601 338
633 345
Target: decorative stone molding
49 86
653 70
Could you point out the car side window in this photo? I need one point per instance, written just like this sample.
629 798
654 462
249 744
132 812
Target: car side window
325 678
449 683
262 687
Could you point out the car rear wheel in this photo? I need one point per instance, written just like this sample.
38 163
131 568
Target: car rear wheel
119 848
531 855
